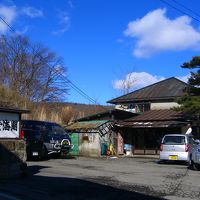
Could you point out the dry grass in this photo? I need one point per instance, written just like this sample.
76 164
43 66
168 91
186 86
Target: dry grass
62 113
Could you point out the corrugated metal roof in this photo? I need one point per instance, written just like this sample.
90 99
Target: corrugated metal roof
151 124
167 89
154 118
113 114
157 115
86 125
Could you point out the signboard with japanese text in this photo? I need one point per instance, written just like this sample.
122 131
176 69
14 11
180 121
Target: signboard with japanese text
9 125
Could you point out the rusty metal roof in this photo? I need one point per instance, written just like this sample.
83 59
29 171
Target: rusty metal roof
86 125
154 118
152 124
167 89
157 115
113 114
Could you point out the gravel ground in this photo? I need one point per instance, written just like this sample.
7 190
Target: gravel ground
104 178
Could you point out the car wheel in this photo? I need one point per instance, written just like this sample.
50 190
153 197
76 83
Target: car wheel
191 164
197 166
44 153
56 155
161 162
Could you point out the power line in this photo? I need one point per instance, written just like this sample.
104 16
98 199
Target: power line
68 81
179 10
73 86
81 92
190 10
7 24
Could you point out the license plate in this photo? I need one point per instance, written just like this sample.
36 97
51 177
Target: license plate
35 153
173 157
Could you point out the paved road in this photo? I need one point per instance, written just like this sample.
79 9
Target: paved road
103 179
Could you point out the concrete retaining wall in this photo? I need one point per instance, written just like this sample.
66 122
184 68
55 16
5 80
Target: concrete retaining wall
12 158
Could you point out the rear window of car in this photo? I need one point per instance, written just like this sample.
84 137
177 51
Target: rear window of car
175 140
31 135
33 125
52 128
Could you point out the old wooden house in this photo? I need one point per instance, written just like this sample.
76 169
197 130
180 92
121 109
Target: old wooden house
154 105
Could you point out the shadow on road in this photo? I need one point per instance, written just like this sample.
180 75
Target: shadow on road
38 187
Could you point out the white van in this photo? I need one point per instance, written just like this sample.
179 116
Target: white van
176 147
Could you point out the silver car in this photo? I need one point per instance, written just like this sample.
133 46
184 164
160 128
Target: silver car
176 147
195 158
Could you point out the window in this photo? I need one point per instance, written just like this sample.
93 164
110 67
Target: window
143 107
174 140
58 130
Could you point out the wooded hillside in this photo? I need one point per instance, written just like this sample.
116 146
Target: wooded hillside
63 113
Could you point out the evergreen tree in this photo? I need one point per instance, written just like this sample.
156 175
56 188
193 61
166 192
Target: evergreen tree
190 103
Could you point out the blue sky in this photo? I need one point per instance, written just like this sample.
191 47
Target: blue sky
107 44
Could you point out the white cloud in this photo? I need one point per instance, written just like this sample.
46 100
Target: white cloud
23 30
64 23
32 12
183 78
155 33
136 80
11 13
8 13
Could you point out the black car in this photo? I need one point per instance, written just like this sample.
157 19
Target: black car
44 138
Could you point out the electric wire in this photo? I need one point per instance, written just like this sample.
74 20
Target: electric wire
73 86
179 10
81 92
183 6
9 26
77 89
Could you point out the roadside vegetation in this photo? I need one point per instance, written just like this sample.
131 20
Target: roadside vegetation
190 103
62 113
33 77
31 70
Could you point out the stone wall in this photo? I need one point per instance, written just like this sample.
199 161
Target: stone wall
12 157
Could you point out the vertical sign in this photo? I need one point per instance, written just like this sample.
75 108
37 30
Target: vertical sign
9 125
120 149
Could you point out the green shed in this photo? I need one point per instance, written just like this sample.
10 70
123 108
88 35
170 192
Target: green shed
89 137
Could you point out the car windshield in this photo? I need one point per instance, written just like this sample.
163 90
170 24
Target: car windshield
176 140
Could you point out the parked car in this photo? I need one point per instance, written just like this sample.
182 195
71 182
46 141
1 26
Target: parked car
44 138
195 157
176 147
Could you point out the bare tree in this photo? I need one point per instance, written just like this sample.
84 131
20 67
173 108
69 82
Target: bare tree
127 80
127 83
30 69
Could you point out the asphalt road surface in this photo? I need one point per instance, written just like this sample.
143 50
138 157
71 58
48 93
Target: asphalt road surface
103 179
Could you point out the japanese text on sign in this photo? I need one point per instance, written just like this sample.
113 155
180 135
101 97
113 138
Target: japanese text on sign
8 125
